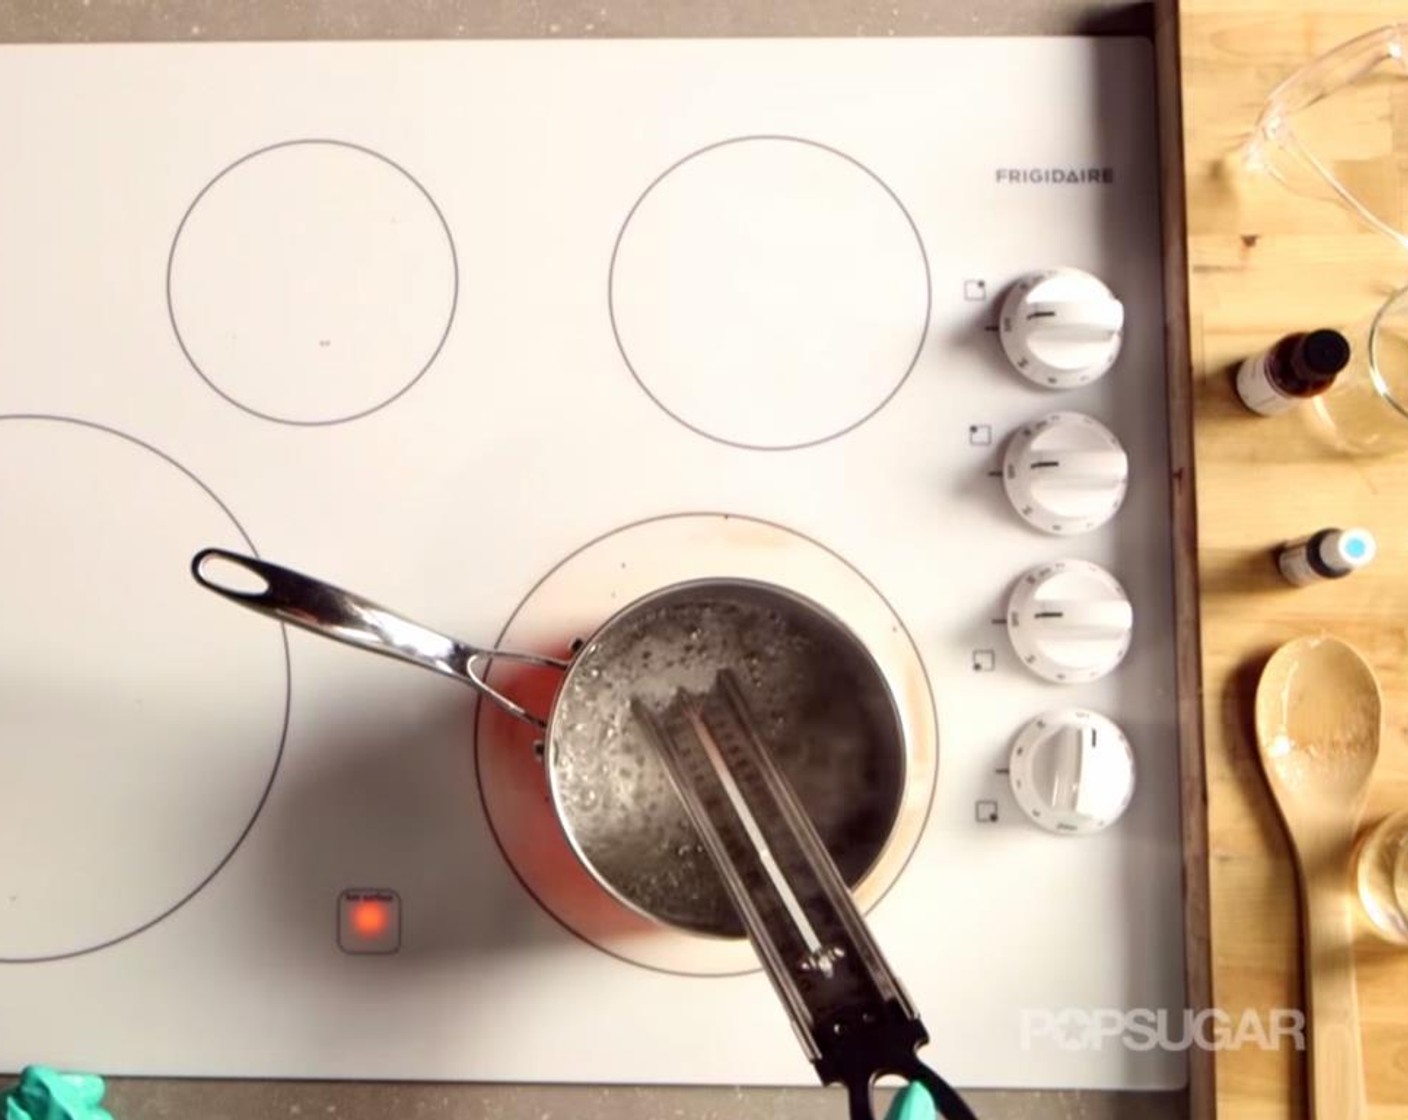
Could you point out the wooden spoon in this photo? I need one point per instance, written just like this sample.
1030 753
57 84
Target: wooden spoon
1318 713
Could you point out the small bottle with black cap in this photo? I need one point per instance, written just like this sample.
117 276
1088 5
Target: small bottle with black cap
1299 367
1328 554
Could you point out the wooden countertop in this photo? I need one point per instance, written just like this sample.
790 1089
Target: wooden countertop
1262 262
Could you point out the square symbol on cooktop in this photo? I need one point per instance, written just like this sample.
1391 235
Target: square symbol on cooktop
975 290
369 921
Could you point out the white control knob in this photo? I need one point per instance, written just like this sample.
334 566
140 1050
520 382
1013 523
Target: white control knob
1061 327
1065 473
1072 771
1069 621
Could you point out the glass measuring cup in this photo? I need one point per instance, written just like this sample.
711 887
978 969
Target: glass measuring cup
1365 412
1381 877
1337 129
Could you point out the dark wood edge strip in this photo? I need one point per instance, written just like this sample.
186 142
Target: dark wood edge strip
1202 1096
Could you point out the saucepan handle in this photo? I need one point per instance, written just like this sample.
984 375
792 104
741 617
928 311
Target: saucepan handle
331 612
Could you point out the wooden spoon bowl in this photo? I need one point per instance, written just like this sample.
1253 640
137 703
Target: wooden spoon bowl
1318 717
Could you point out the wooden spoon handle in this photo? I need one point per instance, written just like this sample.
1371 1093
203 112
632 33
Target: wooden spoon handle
1332 1007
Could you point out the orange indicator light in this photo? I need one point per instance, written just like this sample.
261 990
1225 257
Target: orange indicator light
368 918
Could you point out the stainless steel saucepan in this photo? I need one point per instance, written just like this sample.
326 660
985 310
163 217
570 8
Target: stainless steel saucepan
823 706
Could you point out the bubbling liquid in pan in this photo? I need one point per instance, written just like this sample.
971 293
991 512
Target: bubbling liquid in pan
819 706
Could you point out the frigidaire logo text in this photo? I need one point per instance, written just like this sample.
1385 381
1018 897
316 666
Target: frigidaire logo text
1027 176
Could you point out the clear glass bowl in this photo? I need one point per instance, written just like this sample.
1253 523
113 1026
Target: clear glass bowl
1381 877
1365 412
1337 129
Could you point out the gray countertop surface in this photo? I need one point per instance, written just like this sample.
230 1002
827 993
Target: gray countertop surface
32 21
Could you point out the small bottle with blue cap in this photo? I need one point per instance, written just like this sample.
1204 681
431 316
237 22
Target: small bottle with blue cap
1328 554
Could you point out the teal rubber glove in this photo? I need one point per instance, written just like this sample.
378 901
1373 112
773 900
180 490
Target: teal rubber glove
47 1094
913 1102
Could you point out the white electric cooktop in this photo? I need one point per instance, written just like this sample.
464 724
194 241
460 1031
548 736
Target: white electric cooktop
504 334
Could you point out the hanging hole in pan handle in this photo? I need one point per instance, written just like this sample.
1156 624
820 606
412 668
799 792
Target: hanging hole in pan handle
946 1100
229 574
